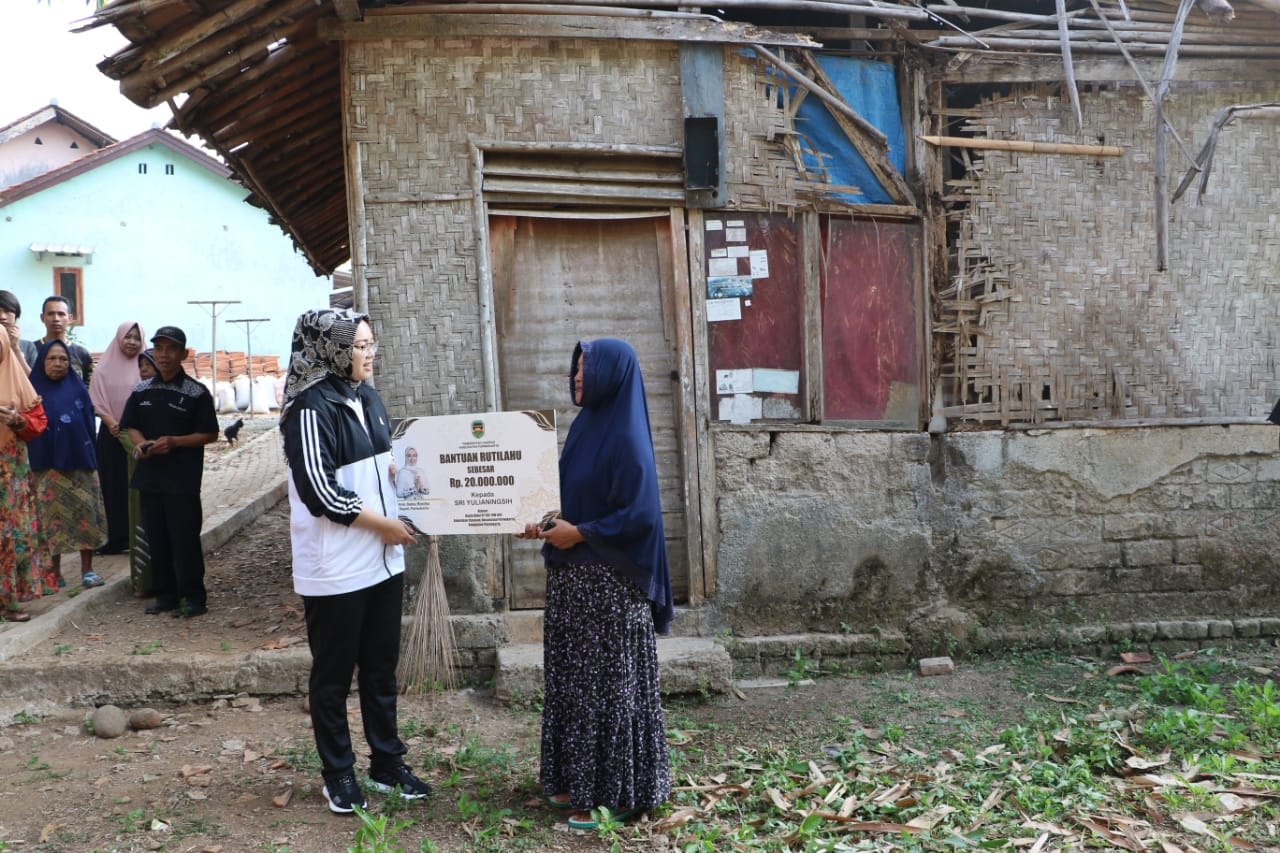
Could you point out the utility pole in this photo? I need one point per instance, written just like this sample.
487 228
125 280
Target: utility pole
248 350
213 352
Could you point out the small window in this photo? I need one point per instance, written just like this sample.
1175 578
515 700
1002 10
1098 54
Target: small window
68 282
38 142
142 168
168 168
73 144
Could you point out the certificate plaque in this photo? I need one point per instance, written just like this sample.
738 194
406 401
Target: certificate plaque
491 472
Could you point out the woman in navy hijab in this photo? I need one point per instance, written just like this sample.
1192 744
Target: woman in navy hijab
66 464
608 592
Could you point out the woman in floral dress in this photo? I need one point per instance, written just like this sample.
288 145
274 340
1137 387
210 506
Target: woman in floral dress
21 547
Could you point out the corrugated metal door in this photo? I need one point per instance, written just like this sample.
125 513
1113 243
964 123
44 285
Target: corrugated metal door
560 280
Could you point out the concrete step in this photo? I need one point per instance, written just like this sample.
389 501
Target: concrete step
685 665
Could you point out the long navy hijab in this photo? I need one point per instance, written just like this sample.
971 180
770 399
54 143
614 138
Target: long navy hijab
608 476
67 444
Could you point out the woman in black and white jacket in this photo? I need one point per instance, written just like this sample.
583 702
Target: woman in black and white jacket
348 555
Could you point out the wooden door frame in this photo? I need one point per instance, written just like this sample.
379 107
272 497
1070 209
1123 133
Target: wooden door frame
693 439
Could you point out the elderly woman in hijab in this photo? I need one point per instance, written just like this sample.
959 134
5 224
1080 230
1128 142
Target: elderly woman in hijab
22 553
114 379
65 463
348 549
608 592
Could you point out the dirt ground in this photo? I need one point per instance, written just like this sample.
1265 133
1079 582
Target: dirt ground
239 774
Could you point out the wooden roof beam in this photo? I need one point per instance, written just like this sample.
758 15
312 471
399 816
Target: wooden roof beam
292 62
679 29
210 50
284 114
231 62
347 10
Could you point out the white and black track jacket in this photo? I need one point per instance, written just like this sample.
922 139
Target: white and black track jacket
337 440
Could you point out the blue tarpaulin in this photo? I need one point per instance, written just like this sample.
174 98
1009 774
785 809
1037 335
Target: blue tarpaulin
871 88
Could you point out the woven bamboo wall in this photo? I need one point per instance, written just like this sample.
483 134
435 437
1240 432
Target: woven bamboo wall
414 109
1056 310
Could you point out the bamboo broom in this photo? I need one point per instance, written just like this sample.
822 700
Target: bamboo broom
428 658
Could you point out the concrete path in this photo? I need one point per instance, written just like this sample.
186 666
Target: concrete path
238 487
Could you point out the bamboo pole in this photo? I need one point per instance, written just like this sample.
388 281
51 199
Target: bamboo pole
1258 50
842 7
164 49
1137 74
1028 146
1161 158
213 48
875 156
1068 67
826 97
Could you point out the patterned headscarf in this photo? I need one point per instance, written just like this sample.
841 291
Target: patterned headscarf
321 348
15 390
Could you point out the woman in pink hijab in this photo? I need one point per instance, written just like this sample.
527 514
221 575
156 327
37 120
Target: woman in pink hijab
114 379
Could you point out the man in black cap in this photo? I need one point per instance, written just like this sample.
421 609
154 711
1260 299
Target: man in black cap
170 419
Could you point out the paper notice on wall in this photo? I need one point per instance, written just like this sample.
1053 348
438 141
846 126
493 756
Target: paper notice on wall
733 381
720 253
737 251
759 263
724 309
735 235
715 225
740 409
737 223
721 267
767 380
732 285
780 409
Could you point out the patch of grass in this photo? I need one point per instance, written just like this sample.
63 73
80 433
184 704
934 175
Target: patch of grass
132 821
25 718
410 729
302 756
148 648
1087 753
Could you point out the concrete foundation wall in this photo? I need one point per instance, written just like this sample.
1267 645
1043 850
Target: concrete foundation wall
956 538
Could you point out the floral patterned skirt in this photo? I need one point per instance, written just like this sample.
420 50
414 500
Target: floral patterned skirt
603 731
23 557
71 510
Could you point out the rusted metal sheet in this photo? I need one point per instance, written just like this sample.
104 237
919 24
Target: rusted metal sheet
870 321
770 334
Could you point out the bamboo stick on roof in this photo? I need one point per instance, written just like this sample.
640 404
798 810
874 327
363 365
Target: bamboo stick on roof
219 45
163 49
1259 50
1069 69
1137 74
844 7
836 103
1029 146
122 10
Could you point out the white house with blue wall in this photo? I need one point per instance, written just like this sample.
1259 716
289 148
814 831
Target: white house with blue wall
143 228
